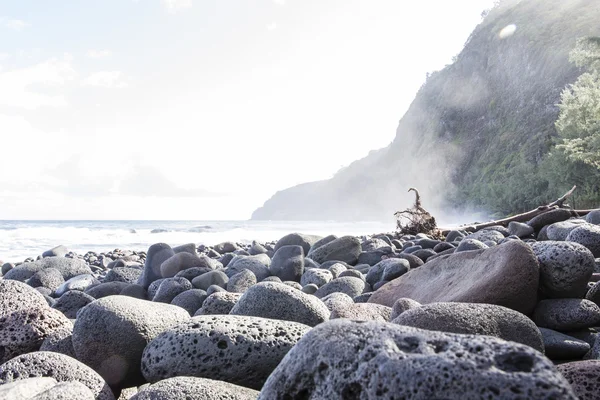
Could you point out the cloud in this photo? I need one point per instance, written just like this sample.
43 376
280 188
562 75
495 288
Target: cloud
272 26
148 181
105 79
14 24
99 53
17 84
279 2
176 5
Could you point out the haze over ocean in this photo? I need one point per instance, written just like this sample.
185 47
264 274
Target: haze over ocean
22 239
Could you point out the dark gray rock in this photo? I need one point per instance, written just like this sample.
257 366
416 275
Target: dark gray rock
58 251
207 279
469 244
520 229
279 301
170 288
249 347
135 291
192 388
402 305
549 217
336 269
218 303
559 346
23 271
566 314
257 248
583 377
311 288
60 341
71 302
106 289
50 278
15 296
383 360
186 248
352 272
372 257
226 247
110 335
443 246
424 254
24 330
347 285
475 319
153 288
321 242
346 248
363 298
587 235
288 263
214 288
453 235
192 273
258 265
6 267
155 256
80 282
316 276
241 281
565 268
54 365
484 235
297 239
593 217
560 230
68 267
190 300
182 261
123 274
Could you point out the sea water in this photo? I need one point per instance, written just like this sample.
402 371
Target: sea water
22 239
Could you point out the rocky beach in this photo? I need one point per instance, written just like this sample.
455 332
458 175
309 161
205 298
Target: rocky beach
506 312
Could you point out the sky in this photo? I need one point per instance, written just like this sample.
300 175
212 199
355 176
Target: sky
203 109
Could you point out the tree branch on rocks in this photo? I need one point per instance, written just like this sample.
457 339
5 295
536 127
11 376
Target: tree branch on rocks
524 217
416 219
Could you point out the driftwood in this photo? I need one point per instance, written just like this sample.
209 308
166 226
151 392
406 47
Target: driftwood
524 217
416 219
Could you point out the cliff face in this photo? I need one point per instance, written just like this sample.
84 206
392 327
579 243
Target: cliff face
477 130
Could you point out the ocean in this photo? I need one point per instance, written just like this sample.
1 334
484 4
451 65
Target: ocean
22 239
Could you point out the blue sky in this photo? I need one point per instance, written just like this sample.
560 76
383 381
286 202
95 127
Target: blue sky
202 109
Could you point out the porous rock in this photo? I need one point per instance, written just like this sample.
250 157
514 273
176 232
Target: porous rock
343 359
506 275
241 281
475 319
110 335
583 377
190 300
566 314
587 235
218 303
169 288
60 341
279 301
55 365
347 284
362 312
192 388
237 349
316 276
71 302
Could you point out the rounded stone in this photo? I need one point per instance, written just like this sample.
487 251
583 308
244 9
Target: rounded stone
218 303
475 319
587 235
106 289
192 388
80 282
66 390
566 314
297 239
362 312
559 231
232 348
169 288
593 217
565 268
345 248
469 244
15 296
60 341
279 301
190 300
184 260
344 359
155 256
111 333
583 377
54 365
288 263
241 281
348 285
316 276
258 265
123 274
50 278
558 346
71 302
26 389
401 305
549 217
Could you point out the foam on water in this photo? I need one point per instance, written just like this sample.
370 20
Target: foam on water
22 239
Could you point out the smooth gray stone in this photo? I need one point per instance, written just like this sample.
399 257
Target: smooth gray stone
316 276
226 247
559 346
311 288
566 314
375 273
58 251
54 365
346 248
474 319
110 335
297 239
60 341
279 301
186 248
593 217
170 288
343 359
249 347
192 388
485 235
71 302
362 312
549 217
50 278
401 305
106 289
191 300
258 265
469 244
123 274
347 285
155 256
520 229
559 231
80 282
182 261
288 263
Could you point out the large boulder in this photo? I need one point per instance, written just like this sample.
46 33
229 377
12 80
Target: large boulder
343 359
280 301
476 319
288 263
191 388
297 239
565 268
15 296
232 348
346 248
54 365
110 335
505 275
